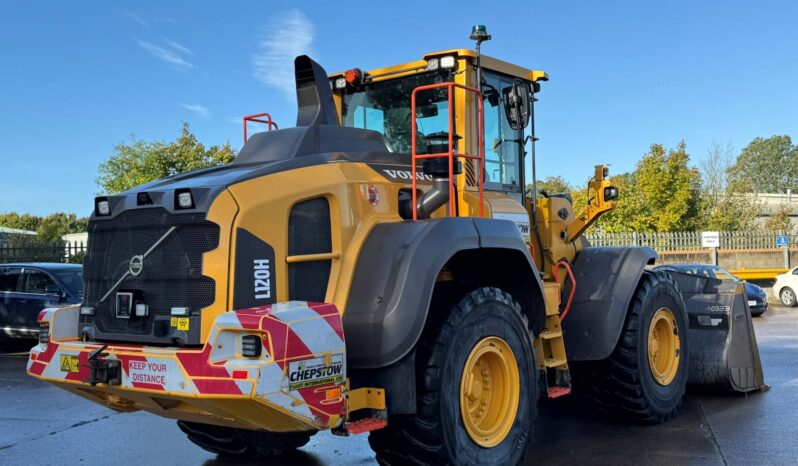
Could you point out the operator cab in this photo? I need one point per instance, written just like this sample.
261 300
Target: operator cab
380 100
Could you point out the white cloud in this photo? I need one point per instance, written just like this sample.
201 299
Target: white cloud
280 42
200 110
236 120
135 17
163 54
178 47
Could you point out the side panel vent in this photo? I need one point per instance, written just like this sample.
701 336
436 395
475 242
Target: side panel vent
309 234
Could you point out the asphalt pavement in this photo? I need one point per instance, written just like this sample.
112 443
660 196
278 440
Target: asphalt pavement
40 424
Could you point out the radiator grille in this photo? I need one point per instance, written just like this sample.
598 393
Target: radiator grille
172 272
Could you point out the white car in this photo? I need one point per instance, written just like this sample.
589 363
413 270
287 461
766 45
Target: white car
786 286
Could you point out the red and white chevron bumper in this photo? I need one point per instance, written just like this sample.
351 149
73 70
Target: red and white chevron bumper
296 384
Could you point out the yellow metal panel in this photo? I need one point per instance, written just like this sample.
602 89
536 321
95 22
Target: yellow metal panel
758 274
215 263
365 398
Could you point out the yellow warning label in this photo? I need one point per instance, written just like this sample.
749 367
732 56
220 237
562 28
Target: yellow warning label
69 363
182 323
173 322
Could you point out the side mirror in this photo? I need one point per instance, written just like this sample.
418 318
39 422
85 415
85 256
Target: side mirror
517 104
52 290
427 111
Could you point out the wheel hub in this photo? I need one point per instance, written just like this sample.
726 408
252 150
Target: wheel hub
489 391
664 345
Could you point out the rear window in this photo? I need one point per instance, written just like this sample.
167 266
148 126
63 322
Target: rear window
9 278
72 280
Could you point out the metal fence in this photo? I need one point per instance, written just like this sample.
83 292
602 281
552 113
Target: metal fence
37 251
689 240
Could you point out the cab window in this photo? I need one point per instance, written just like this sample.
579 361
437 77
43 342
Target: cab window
501 141
34 281
9 276
385 107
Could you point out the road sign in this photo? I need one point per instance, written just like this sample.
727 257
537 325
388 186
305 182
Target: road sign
710 239
782 240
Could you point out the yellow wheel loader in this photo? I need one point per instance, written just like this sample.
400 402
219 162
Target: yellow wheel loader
380 268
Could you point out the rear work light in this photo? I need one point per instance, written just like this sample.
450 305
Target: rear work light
448 62
86 311
102 207
251 346
44 332
183 199
340 83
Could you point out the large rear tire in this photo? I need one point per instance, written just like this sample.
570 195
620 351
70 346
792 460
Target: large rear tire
645 377
477 388
242 443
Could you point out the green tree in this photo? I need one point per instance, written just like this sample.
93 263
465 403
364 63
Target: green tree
662 194
139 162
54 226
20 222
766 166
780 220
552 185
724 207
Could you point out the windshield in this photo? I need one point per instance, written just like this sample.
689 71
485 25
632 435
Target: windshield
385 107
722 274
72 279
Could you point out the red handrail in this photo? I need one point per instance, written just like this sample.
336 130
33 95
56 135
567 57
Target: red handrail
255 119
573 286
452 153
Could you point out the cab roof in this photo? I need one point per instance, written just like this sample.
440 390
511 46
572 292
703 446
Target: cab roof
486 61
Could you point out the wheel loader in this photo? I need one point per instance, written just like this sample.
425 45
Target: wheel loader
380 268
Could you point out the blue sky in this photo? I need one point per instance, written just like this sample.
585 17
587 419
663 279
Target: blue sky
78 78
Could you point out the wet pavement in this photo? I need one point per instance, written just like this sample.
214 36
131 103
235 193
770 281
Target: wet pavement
40 424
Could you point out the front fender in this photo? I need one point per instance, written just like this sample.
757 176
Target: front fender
395 277
606 279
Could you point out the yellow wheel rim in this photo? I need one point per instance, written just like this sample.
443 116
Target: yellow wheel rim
664 345
489 391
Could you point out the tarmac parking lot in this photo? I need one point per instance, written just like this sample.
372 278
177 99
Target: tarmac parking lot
40 424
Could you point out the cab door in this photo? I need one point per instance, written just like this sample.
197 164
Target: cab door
9 282
37 291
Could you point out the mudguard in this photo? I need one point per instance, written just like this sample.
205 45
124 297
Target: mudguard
395 276
723 349
606 279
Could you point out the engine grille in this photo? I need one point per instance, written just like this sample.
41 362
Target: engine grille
172 272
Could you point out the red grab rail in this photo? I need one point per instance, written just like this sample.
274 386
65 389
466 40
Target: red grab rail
573 286
256 119
452 153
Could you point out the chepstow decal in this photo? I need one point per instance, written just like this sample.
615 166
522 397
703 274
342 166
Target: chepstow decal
315 371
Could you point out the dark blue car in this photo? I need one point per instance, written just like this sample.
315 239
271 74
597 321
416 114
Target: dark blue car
755 294
26 289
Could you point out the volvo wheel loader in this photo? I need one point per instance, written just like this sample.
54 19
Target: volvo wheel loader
380 268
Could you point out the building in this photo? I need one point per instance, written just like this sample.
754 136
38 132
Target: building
7 233
768 204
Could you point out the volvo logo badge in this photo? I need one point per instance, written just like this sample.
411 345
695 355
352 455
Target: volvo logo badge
136 265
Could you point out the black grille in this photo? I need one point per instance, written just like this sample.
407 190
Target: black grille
172 272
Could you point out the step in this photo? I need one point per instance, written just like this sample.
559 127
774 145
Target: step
365 425
556 392
553 362
548 335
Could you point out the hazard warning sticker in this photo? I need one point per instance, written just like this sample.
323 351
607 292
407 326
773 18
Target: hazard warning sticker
316 371
70 363
147 372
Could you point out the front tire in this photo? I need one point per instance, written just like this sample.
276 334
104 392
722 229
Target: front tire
787 297
476 391
645 377
242 443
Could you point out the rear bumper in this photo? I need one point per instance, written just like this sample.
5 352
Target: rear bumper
296 384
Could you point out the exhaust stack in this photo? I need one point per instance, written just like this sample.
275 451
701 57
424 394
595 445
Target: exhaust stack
314 98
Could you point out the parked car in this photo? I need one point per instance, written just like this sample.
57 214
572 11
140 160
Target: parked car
786 286
26 289
755 294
